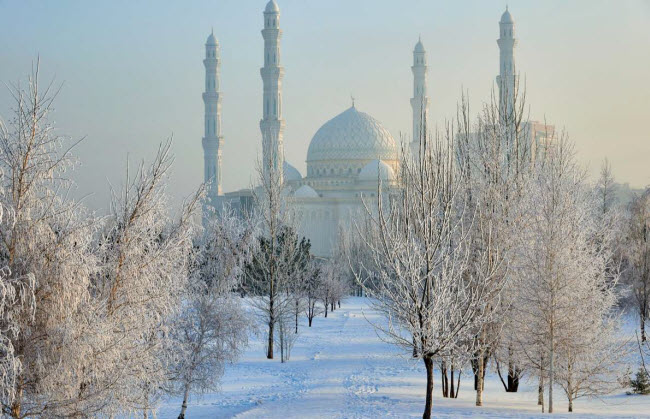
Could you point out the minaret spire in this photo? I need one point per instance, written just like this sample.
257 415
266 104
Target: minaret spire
272 124
212 139
420 100
507 78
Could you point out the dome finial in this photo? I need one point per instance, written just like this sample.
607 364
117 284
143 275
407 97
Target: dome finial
352 97
506 17
272 7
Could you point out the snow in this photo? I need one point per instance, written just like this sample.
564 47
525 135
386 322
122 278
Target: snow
340 368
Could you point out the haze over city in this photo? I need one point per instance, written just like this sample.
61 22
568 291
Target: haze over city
133 74
324 209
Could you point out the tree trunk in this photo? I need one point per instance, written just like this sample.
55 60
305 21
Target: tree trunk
310 319
513 377
540 391
451 381
642 318
460 372
339 303
480 377
540 386
297 309
570 404
428 363
326 307
550 378
444 379
184 405
16 406
333 305
269 353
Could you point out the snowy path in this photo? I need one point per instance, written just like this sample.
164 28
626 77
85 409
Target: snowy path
341 369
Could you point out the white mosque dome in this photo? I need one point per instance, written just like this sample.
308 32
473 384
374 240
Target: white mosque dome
305 191
290 173
506 17
272 7
352 135
376 169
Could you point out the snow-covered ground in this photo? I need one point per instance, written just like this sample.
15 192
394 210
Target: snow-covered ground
340 368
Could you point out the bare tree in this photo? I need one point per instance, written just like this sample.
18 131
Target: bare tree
637 257
421 245
311 290
264 274
45 242
606 188
495 155
212 326
278 263
565 298
144 271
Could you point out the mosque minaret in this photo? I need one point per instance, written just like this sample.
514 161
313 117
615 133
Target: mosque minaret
420 100
349 157
507 78
212 140
272 124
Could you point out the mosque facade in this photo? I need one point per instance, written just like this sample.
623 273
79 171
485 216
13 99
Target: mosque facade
348 158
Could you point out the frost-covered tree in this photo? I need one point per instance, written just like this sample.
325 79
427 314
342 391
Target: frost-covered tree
423 286
212 326
564 299
606 189
46 265
329 286
278 261
637 257
311 290
297 276
495 154
144 260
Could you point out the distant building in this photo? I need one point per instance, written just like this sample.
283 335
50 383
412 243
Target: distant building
348 157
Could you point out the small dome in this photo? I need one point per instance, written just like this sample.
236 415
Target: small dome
211 40
419 47
305 191
272 7
506 17
290 173
377 169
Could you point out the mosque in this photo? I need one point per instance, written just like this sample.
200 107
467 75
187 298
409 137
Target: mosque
348 157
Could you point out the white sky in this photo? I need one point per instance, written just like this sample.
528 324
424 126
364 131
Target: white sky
133 73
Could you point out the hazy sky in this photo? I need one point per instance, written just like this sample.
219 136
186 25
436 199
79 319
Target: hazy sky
133 73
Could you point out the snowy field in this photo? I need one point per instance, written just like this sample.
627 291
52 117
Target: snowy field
340 368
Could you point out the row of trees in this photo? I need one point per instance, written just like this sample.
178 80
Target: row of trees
282 277
106 315
495 247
